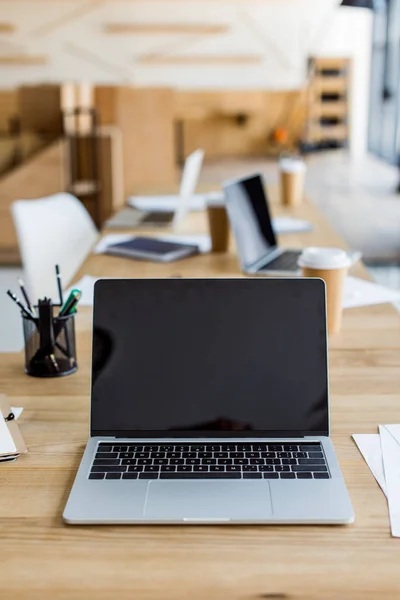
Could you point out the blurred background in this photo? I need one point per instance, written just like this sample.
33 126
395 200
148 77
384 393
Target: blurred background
106 98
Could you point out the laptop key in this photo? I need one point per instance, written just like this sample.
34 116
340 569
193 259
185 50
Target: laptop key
321 475
145 461
250 468
96 475
256 461
299 454
174 454
105 461
287 475
197 448
181 448
205 454
233 468
259 447
197 475
265 468
274 448
237 454
311 461
290 448
272 461
135 449
113 475
309 468
120 449
108 469
200 468
304 475
142 455
153 469
107 455
184 468
158 455
252 475
189 455
284 455
221 455
252 455
241 461
104 448
289 461
311 448
271 475
268 454
193 461
218 468
130 475
176 461
315 455
128 461
148 475
225 461
165 468
282 468
209 461
160 461
126 455
135 469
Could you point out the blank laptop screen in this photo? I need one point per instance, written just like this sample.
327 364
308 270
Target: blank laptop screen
249 219
195 357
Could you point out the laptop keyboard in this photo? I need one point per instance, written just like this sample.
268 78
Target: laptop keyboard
209 461
287 261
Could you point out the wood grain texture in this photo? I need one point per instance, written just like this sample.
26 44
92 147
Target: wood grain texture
164 28
357 562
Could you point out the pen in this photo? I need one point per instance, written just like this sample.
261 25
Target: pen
60 293
69 305
25 295
17 301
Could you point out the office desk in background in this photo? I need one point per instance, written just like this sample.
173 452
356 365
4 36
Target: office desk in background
40 557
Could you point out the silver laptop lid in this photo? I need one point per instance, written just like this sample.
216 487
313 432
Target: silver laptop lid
249 218
209 358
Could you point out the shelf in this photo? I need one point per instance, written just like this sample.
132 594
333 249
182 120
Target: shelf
22 59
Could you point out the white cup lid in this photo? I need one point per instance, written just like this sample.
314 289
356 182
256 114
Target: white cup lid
324 258
292 165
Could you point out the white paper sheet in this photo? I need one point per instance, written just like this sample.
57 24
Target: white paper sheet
169 203
202 241
390 443
369 444
359 292
7 445
289 225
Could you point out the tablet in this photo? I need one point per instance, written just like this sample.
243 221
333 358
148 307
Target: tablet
152 249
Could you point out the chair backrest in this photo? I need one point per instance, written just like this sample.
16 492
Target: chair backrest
52 230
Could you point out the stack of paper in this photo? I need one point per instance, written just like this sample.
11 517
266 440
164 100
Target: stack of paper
11 442
382 454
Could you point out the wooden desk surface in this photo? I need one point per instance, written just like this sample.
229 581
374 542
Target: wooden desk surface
41 558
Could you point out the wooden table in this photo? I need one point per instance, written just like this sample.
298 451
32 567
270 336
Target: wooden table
41 558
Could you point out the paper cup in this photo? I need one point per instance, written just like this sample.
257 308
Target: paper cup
292 175
331 265
219 226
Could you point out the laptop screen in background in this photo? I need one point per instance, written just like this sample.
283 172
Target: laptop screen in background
249 219
243 357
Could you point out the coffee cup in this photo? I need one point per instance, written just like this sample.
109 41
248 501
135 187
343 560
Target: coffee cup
331 265
219 226
292 175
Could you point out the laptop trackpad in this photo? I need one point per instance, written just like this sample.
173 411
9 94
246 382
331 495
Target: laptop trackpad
219 500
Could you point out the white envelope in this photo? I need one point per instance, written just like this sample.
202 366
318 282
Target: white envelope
390 444
369 444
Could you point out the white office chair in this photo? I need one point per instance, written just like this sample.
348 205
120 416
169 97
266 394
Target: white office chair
52 230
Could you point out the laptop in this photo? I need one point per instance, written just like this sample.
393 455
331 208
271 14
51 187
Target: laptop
252 228
209 404
171 208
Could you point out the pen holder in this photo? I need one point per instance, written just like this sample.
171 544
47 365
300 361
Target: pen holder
50 353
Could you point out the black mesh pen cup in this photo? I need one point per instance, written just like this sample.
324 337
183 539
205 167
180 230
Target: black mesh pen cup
50 351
